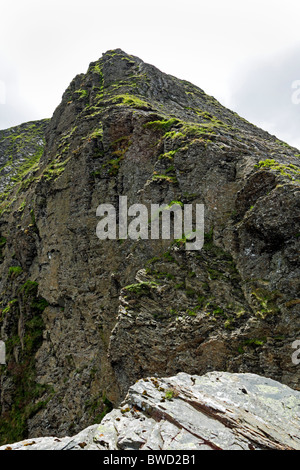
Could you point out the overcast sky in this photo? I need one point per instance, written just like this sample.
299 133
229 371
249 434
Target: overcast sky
244 53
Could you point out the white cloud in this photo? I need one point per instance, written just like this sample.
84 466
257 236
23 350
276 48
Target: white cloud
265 94
50 41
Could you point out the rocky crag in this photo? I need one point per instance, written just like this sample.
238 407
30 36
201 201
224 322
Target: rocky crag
84 318
217 411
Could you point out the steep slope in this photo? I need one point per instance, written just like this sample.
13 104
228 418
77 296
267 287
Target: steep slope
84 318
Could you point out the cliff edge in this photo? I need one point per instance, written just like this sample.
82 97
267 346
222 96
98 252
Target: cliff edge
83 318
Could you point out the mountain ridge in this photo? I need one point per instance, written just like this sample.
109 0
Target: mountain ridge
84 318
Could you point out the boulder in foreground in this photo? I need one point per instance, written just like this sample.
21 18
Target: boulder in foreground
216 411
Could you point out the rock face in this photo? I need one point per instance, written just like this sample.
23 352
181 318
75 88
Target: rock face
218 411
84 318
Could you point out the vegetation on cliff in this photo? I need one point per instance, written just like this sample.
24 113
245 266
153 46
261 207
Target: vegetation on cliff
83 319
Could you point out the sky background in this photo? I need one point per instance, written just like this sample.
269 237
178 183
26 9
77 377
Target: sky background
244 53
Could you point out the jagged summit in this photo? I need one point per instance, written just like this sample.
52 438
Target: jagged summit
117 74
119 80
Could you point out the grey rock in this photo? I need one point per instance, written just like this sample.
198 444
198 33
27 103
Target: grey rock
217 411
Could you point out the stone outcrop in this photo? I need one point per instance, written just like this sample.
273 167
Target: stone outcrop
84 318
217 411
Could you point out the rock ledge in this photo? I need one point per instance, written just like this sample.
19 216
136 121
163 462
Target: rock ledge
216 411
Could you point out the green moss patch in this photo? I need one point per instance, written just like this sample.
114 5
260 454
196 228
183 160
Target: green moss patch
27 143
28 396
290 171
141 288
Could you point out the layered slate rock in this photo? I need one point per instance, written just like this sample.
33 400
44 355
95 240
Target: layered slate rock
218 411
84 318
